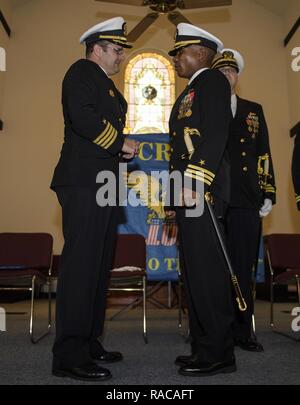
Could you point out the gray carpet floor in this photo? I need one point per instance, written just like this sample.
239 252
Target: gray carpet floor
22 363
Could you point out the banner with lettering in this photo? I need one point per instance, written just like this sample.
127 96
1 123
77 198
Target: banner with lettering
147 218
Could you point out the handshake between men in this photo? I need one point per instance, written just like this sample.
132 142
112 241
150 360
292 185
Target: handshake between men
130 149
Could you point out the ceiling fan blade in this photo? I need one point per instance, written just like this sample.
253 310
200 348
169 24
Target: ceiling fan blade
186 4
177 18
125 2
141 27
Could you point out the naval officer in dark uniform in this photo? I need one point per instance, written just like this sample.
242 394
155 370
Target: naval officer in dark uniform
252 190
94 115
296 169
199 127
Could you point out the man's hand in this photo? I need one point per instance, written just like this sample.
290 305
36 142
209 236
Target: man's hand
170 214
130 148
266 208
190 198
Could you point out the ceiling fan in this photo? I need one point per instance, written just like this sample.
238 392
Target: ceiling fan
165 7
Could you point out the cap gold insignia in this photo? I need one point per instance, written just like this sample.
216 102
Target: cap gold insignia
228 55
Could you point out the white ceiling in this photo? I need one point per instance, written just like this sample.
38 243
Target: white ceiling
276 6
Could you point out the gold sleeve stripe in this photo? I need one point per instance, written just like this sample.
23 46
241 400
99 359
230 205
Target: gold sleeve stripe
106 142
200 177
103 133
197 177
297 198
112 140
112 135
106 137
201 169
200 174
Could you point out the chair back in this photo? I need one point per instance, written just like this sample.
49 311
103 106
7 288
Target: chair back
25 251
284 251
130 250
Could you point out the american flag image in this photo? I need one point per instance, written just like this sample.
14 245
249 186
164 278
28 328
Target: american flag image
169 233
152 238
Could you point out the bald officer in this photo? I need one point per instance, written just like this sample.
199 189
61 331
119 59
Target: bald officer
94 115
252 189
199 127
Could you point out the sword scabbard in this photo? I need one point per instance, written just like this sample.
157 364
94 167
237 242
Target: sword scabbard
239 297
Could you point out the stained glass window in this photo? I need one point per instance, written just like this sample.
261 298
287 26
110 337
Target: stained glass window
150 93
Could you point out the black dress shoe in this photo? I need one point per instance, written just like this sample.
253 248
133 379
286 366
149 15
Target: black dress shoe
107 357
200 369
251 345
185 360
86 372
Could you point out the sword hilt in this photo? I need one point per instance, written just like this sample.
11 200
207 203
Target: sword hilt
209 198
239 297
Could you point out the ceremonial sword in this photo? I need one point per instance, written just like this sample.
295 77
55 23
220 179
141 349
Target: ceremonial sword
239 297
208 199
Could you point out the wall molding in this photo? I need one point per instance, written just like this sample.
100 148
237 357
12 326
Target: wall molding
8 32
292 32
5 24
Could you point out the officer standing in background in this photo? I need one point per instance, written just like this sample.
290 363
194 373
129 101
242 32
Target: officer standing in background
202 116
296 169
252 190
94 115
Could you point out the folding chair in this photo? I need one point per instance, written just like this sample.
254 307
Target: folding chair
129 271
283 253
25 263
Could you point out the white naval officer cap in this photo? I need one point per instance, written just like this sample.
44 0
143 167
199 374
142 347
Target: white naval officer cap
229 57
112 30
188 34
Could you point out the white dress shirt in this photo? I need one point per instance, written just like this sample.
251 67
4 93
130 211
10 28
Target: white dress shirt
233 104
196 74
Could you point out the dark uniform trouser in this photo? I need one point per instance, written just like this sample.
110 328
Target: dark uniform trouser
243 227
208 288
89 232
